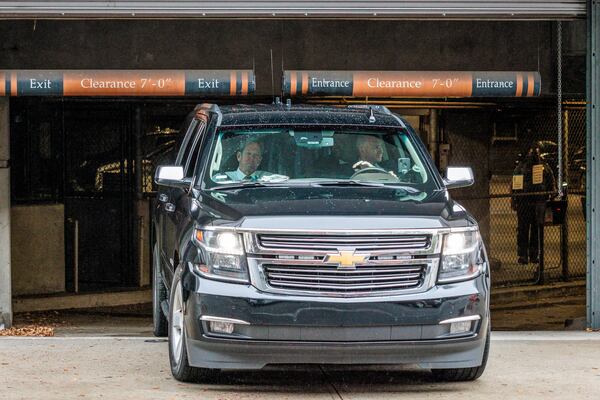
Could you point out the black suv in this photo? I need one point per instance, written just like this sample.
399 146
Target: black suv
319 235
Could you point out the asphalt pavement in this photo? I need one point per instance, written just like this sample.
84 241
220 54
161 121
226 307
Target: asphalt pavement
524 365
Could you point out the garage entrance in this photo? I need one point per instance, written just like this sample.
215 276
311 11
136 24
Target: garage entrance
82 155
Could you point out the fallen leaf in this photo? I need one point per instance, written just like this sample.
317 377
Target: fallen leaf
28 330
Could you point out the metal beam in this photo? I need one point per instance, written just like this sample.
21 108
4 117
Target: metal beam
438 9
5 270
593 166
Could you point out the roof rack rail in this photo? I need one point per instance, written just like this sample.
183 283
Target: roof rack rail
374 107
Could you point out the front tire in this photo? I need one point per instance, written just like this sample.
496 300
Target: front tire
464 374
159 294
180 367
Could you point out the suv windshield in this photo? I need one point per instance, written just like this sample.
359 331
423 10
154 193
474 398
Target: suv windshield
321 156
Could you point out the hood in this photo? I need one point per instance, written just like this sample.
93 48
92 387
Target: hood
351 208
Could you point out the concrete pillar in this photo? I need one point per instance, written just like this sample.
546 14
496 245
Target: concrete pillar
5 273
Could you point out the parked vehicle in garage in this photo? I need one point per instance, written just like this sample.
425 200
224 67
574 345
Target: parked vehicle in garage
307 234
155 147
577 171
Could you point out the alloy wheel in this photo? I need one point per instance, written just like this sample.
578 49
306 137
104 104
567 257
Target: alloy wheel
177 324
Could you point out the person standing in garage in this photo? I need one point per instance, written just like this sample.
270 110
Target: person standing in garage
533 183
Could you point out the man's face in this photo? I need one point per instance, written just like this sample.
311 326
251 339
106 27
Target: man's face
371 150
249 159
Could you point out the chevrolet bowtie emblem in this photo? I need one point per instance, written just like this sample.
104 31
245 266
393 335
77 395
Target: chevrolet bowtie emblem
346 259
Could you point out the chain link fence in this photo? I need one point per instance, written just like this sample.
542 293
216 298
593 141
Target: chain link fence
519 189
575 167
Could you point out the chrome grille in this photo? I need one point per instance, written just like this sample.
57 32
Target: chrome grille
335 242
329 278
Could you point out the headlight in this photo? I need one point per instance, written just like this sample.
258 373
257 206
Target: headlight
223 256
460 257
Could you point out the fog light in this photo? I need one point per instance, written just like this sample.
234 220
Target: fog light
221 327
460 327
461 324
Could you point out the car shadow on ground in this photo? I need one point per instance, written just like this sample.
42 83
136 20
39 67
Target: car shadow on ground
320 379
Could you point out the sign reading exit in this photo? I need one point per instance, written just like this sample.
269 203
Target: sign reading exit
127 83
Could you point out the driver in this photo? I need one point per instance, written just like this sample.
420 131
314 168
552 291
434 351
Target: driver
249 158
370 154
370 150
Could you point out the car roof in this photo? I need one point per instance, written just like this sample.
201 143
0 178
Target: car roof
306 114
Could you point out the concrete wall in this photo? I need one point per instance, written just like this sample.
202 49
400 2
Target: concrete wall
297 44
38 250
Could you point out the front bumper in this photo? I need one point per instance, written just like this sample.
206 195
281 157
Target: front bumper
284 329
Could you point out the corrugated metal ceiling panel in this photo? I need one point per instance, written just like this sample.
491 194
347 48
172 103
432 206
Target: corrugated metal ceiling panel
466 9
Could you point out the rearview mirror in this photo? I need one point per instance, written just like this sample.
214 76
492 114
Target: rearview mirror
457 177
312 139
169 175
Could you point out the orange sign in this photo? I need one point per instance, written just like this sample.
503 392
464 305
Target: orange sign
412 83
124 83
127 83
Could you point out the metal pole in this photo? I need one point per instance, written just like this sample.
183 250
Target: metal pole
76 257
139 168
541 272
433 135
564 228
141 242
559 104
593 165
5 256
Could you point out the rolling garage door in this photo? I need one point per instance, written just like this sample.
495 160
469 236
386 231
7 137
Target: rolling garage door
442 9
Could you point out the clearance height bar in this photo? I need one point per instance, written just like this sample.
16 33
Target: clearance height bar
127 83
412 83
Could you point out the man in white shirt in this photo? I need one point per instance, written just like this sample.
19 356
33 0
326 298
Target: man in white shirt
370 149
249 158
370 154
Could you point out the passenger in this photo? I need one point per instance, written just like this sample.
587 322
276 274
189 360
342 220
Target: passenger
249 158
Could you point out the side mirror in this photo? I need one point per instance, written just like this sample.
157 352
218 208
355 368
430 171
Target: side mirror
457 177
169 175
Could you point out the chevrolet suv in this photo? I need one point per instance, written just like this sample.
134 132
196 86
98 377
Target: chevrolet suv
315 235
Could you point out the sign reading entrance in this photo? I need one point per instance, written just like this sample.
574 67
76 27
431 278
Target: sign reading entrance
412 83
127 83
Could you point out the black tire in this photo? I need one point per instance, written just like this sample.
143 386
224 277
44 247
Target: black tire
180 367
464 374
159 294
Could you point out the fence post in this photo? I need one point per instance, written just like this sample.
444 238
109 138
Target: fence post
540 228
564 228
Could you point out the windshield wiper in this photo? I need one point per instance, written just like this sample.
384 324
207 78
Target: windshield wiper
246 185
329 183
348 182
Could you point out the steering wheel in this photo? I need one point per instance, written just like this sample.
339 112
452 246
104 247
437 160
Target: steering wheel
375 170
